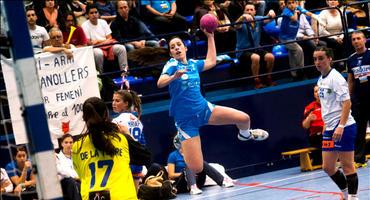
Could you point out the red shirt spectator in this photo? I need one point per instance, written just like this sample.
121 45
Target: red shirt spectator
316 123
78 37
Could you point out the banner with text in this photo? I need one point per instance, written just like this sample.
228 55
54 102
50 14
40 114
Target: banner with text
65 85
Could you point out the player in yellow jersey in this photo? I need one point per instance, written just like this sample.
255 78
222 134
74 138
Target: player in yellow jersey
101 156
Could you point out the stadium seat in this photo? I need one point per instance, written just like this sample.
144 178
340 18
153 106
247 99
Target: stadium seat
279 51
272 29
189 19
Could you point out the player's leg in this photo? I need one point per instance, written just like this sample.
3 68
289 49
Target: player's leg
222 115
329 161
192 151
348 164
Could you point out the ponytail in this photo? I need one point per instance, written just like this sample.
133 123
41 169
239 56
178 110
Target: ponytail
136 102
99 127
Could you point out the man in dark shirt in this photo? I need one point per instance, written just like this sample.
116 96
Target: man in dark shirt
126 29
359 88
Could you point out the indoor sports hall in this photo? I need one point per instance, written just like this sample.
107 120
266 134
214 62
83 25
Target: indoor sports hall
52 61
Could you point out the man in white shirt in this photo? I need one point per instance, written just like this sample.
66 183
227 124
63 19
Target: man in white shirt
39 35
305 31
98 32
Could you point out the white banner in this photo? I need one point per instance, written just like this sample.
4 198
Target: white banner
65 85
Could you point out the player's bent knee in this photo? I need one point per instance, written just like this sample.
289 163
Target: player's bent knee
348 168
244 117
329 169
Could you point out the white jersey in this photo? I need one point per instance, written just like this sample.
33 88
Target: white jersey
38 36
133 124
96 32
333 90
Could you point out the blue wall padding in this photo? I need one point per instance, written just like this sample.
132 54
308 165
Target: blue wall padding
278 110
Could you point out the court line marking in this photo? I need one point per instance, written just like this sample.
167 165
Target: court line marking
268 183
292 189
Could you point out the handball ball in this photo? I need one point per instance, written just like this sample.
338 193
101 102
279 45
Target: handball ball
208 22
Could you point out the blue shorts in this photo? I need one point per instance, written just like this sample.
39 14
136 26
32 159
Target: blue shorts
188 128
347 143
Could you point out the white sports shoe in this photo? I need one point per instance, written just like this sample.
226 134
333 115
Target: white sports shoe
227 183
255 134
195 191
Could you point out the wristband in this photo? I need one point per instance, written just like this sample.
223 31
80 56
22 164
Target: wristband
340 126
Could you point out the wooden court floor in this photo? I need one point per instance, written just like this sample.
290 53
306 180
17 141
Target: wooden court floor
287 184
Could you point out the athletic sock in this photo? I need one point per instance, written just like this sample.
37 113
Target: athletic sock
245 133
345 194
339 179
352 182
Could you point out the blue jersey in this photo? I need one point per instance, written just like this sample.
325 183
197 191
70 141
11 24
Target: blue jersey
12 170
288 28
359 66
177 159
186 98
159 5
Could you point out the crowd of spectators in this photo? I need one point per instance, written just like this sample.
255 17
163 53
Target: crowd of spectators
126 26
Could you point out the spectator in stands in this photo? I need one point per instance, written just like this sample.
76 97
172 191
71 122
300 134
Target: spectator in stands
20 171
163 15
359 88
79 10
5 182
236 9
50 16
126 27
223 33
332 24
128 105
56 43
260 6
305 32
106 10
185 179
76 37
39 35
98 32
288 33
277 6
311 4
69 179
248 36
313 123
101 152
182 76
134 7
340 127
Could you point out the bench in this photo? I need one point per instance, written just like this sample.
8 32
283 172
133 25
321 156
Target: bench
304 154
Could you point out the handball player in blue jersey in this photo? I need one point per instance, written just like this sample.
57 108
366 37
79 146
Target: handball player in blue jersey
190 109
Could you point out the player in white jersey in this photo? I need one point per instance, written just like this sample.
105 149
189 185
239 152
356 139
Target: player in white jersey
127 103
340 127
